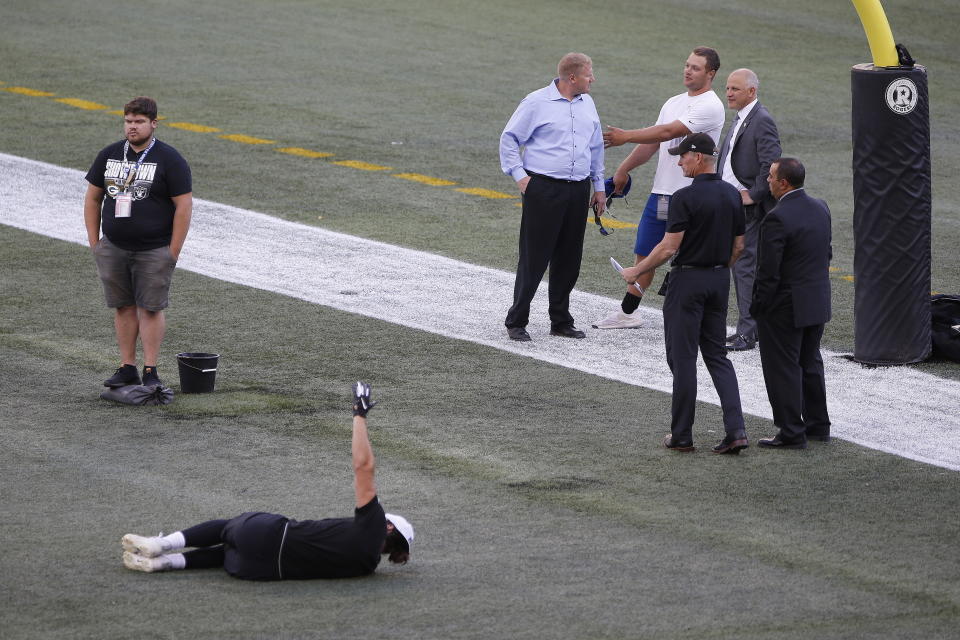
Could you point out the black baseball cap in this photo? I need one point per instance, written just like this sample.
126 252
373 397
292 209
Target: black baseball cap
699 142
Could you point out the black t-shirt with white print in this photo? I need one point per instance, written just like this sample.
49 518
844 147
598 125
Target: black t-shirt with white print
162 175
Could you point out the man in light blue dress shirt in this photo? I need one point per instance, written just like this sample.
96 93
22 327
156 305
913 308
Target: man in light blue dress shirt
560 175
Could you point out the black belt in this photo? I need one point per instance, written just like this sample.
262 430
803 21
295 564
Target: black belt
540 175
685 267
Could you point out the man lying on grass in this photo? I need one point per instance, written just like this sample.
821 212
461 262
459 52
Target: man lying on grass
267 546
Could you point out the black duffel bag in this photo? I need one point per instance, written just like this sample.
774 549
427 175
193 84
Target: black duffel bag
945 332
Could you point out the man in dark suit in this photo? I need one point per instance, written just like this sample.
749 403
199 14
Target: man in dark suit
751 144
791 302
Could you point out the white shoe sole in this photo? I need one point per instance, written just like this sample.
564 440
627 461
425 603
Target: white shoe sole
136 562
141 545
618 320
634 326
620 325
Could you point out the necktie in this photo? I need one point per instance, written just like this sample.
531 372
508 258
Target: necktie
733 130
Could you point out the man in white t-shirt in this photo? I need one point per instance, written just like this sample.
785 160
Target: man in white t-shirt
698 110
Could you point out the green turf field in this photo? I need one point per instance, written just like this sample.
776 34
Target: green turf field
542 505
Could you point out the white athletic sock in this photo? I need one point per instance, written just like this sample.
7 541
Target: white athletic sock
176 560
173 541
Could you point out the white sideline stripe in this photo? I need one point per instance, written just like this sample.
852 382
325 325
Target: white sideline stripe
897 410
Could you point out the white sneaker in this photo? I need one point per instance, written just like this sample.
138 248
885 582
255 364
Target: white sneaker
148 547
137 562
619 320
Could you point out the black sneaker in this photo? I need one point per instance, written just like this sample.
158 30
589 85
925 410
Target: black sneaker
150 377
126 374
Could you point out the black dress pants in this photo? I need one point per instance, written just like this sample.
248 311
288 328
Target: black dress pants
793 374
551 233
695 318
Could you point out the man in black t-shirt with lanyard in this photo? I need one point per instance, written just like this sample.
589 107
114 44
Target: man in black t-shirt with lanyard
704 236
269 546
140 190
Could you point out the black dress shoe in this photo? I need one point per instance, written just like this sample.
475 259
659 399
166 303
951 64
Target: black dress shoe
732 446
518 333
682 447
741 343
732 337
777 443
820 437
568 331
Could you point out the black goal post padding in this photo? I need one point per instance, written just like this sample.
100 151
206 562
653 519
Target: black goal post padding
891 214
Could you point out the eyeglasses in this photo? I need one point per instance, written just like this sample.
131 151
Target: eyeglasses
596 215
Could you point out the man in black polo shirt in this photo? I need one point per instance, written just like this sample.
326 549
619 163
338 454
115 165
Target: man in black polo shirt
705 226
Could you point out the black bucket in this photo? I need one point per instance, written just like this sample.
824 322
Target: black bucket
198 371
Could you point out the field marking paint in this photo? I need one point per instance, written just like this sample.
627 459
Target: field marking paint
303 153
898 410
487 193
239 137
26 91
363 166
422 179
82 104
190 126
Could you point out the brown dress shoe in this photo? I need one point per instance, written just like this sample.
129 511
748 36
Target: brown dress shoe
682 447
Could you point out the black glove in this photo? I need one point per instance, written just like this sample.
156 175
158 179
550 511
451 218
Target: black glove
361 399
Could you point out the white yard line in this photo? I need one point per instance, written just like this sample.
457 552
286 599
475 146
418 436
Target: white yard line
897 410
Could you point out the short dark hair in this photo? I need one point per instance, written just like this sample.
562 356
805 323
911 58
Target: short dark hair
791 170
711 55
141 106
397 547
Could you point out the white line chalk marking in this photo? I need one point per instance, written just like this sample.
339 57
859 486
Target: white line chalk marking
897 410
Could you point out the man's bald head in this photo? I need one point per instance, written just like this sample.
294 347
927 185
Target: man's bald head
742 85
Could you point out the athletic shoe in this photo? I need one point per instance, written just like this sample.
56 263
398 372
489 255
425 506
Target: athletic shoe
619 320
150 377
146 546
126 374
136 562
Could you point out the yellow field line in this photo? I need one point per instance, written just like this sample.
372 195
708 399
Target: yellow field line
422 179
189 126
304 153
29 92
364 166
239 137
82 104
487 193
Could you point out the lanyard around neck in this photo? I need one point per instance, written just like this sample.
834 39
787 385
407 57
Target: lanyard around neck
128 174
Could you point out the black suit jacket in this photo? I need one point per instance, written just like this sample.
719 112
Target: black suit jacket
756 147
793 266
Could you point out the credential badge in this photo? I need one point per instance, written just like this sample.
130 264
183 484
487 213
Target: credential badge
902 96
